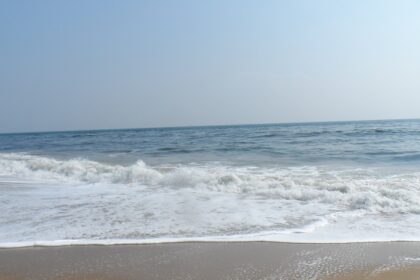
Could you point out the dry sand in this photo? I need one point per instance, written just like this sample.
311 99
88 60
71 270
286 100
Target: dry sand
222 260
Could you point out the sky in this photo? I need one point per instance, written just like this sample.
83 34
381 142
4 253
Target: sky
70 65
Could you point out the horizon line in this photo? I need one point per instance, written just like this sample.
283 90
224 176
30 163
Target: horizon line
198 126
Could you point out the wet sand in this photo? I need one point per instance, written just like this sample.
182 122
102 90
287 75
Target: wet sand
221 260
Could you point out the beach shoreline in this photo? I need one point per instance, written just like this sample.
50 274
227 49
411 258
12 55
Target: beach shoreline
215 260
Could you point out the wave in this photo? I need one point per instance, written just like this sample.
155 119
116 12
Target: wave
96 203
352 189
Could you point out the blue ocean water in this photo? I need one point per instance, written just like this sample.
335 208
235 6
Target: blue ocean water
303 182
363 142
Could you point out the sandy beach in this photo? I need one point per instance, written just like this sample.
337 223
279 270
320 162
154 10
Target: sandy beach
229 260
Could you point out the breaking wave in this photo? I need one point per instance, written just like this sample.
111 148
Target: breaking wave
349 189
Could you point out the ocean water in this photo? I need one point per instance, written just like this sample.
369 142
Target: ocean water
310 182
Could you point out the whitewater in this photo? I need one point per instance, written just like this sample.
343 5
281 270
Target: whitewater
321 182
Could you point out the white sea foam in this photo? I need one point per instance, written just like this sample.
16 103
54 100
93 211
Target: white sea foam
82 201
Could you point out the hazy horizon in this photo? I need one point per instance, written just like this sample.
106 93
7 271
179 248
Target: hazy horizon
210 125
135 64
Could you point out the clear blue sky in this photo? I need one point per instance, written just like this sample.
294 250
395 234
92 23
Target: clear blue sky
113 64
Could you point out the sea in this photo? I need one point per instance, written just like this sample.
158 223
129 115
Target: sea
300 182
